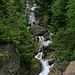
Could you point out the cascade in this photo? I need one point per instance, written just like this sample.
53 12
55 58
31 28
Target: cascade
31 17
40 38
45 64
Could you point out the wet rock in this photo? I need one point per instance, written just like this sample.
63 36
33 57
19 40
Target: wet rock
41 48
46 35
39 44
37 30
43 56
51 61
70 69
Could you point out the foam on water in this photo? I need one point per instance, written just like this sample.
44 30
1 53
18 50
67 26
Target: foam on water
46 67
40 38
45 64
46 43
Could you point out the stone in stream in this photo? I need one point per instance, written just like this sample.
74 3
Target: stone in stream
37 30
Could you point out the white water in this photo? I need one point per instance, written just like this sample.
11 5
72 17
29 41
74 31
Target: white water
31 15
45 64
39 55
46 67
50 35
40 38
28 27
46 43
31 18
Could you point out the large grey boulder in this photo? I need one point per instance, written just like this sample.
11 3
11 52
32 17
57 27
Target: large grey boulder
37 30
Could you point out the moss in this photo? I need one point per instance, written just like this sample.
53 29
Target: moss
35 67
2 55
6 54
35 63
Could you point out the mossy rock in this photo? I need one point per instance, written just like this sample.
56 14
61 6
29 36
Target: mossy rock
35 67
2 55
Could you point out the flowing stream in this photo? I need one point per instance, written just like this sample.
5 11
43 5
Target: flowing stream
30 12
44 62
31 16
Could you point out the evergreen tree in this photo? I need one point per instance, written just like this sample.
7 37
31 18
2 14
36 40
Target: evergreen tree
13 29
58 14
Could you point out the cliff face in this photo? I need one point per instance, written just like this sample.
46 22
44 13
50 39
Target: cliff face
9 62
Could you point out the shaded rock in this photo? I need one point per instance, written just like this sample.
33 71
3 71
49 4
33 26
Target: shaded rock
46 35
39 44
11 62
35 67
70 69
58 68
37 30
54 70
51 61
43 56
1 60
40 47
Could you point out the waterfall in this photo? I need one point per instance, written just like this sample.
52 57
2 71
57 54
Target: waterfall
45 64
30 12
40 39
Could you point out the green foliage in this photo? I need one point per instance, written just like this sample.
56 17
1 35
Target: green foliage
13 30
60 19
58 14
45 10
6 54
71 13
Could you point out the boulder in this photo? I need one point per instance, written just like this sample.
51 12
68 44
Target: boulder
37 30
70 69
